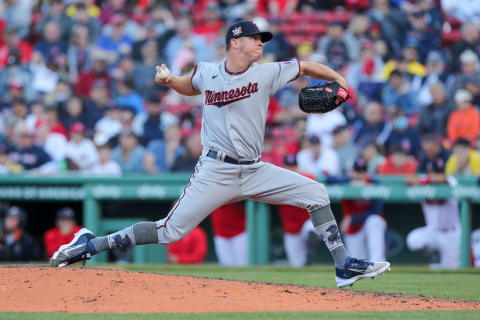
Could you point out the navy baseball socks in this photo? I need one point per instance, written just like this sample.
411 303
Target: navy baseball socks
84 245
347 270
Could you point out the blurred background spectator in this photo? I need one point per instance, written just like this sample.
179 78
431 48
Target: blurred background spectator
105 165
346 150
398 162
464 122
318 159
464 160
81 152
129 154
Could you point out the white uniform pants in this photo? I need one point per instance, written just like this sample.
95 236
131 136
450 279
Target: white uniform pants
369 241
442 232
476 248
296 245
232 252
216 183
447 243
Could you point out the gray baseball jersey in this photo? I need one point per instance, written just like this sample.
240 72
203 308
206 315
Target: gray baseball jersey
235 105
234 115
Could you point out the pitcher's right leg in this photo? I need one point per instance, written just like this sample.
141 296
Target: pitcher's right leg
212 185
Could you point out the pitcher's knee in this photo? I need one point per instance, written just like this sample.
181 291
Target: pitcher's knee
168 232
318 195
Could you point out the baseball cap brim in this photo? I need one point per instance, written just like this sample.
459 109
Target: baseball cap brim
265 36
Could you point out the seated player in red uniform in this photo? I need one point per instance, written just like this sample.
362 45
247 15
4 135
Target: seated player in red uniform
63 232
230 235
189 250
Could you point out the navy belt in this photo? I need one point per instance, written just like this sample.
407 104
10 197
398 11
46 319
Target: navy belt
213 154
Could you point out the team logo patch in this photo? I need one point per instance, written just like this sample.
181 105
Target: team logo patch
342 93
237 31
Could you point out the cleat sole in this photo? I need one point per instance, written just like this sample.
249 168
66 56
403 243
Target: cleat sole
349 282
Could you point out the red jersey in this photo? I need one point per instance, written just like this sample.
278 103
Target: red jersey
358 210
53 239
388 168
229 220
59 128
293 218
273 109
206 28
191 249
86 81
23 47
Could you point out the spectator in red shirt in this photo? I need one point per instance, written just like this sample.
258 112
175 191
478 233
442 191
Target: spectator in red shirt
299 237
230 236
275 8
12 41
189 250
63 232
211 24
270 153
98 74
53 121
398 163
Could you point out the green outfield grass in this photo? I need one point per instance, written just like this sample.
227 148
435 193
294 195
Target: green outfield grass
406 315
459 284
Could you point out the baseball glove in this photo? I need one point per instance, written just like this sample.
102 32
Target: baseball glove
322 99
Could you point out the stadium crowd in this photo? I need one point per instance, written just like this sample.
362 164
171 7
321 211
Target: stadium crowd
77 87
77 90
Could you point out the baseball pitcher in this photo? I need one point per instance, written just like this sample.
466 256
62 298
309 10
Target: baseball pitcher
236 94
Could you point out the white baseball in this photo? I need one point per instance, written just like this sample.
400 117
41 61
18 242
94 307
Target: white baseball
163 74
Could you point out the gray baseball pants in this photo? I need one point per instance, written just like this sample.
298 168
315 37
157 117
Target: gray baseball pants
215 183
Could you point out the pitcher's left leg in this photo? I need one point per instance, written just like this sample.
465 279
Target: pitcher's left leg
271 184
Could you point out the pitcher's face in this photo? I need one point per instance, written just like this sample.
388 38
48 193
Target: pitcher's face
252 47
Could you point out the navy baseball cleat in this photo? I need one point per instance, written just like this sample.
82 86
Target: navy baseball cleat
75 251
356 269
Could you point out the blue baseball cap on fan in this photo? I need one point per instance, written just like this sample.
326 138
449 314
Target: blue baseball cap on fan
246 28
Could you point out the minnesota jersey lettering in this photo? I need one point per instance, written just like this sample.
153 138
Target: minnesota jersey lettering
223 98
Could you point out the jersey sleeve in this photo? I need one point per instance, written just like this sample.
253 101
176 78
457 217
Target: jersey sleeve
197 77
284 72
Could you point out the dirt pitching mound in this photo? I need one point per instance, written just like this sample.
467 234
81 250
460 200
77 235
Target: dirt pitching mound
43 289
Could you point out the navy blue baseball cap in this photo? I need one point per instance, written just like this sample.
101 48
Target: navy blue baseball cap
246 28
